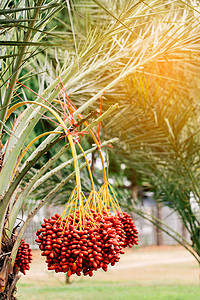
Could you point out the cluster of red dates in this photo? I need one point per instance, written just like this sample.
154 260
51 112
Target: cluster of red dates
73 250
24 257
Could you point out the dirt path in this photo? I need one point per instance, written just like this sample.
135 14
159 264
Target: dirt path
149 265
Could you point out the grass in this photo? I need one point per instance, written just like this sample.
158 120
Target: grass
171 275
108 291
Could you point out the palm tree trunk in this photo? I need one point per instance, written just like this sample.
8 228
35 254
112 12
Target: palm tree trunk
158 231
183 231
8 278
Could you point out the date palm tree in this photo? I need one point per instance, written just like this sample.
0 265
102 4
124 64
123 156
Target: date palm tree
109 48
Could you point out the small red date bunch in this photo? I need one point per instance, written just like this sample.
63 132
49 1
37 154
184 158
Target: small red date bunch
69 249
24 257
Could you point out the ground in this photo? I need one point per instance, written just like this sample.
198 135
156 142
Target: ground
153 272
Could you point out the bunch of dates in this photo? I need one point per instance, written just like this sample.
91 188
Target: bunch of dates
23 258
99 243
